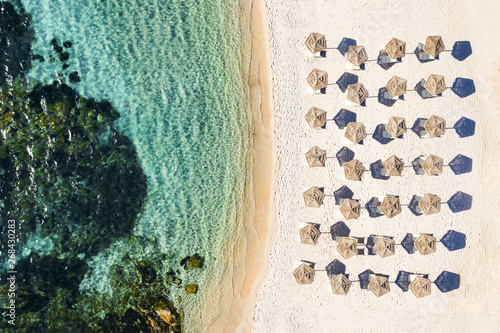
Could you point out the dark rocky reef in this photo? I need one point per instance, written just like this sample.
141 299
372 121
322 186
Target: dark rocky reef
16 37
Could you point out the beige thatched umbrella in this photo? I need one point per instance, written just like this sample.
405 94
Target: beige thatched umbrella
435 126
304 274
435 84
396 48
433 165
318 79
340 284
355 132
347 247
357 93
396 126
425 244
353 170
385 247
315 42
394 166
430 204
379 285
313 197
396 86
356 55
315 117
309 234
316 157
390 206
420 286
350 209
434 45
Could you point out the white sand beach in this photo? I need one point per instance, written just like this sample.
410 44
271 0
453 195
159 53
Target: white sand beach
282 304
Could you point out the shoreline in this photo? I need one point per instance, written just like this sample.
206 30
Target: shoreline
248 266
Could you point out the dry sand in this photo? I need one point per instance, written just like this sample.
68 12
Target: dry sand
284 306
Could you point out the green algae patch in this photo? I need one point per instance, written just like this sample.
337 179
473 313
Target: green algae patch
191 289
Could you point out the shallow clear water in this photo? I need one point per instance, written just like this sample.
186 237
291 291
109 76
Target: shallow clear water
172 69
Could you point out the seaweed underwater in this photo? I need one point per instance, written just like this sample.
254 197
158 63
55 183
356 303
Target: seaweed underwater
68 177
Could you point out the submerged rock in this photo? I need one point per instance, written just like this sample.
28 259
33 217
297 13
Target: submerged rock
67 44
147 272
194 261
73 77
191 289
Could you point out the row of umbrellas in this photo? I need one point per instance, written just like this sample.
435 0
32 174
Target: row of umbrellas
396 86
378 283
385 247
357 55
390 205
393 166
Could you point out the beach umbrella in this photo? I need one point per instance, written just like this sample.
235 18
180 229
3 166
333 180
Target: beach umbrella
315 42
433 165
318 79
315 117
430 204
350 209
434 45
347 247
396 126
356 55
313 197
304 274
396 86
425 244
435 126
379 285
390 206
355 132
316 157
357 93
394 166
353 170
340 284
420 286
385 247
309 234
396 48
343 192
435 84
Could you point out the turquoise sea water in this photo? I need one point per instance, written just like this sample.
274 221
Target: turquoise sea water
173 70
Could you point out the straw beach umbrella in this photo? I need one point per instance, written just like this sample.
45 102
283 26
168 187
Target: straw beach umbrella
425 244
434 45
379 285
351 209
420 286
356 55
315 42
304 274
316 157
355 132
435 126
309 234
433 165
393 166
348 247
435 84
385 247
313 197
390 206
357 93
396 86
340 284
396 48
396 126
315 117
430 204
318 79
354 170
